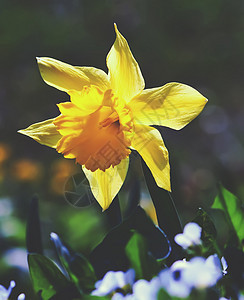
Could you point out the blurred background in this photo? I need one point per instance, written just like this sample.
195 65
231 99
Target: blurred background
199 43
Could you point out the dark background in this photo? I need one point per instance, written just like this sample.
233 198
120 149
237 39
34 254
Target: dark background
200 43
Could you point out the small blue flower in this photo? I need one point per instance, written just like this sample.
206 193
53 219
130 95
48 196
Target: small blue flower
142 290
224 265
191 236
202 273
118 296
5 293
21 297
112 281
197 273
146 290
178 280
172 280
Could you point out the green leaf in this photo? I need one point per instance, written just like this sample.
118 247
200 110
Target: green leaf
133 196
113 214
167 215
140 259
110 253
78 267
46 277
163 295
81 297
235 262
209 232
33 229
233 211
90 297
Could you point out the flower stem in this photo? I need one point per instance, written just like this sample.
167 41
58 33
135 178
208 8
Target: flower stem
33 229
113 213
167 215
133 198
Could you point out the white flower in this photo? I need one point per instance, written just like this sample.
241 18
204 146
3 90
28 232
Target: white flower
5 293
202 273
224 265
173 282
17 257
191 236
146 290
197 273
113 280
142 290
178 280
118 296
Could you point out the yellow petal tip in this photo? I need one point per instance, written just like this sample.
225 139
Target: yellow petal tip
38 59
116 30
22 131
165 186
45 61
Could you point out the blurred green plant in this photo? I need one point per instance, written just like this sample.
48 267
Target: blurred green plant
138 244
233 210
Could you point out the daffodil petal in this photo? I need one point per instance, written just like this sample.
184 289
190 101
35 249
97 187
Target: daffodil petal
69 109
149 144
66 77
67 125
173 105
124 73
96 77
44 133
106 184
88 100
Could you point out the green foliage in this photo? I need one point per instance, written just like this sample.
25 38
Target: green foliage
210 37
140 259
110 253
33 229
163 295
46 277
89 297
209 233
78 267
167 214
234 215
131 244
135 243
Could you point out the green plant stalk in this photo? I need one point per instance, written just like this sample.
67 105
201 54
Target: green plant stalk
167 215
113 213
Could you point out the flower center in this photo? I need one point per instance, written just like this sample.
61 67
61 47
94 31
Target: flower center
177 275
100 139
110 119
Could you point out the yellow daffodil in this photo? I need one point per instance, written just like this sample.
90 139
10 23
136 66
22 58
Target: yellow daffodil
109 114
